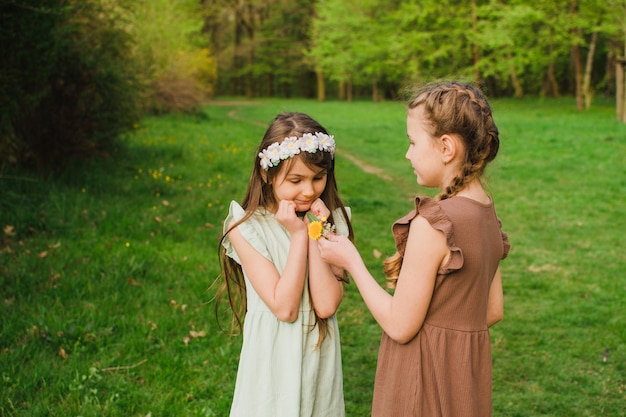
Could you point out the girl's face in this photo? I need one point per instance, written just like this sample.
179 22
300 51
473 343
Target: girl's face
298 183
423 152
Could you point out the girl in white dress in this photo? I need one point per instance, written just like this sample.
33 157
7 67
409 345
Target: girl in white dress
276 282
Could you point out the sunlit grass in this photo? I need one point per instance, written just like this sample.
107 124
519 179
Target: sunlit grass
107 271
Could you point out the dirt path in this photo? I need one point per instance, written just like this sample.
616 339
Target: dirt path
364 166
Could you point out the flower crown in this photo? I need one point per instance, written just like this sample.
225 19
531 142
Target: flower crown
291 146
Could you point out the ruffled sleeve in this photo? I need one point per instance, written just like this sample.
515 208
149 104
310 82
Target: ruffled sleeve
250 230
341 224
434 214
505 242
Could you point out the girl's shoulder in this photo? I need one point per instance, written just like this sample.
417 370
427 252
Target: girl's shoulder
253 229
434 213
236 213
426 207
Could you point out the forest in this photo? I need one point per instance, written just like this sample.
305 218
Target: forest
77 74
374 48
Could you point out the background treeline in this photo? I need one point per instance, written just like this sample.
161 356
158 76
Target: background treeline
343 48
76 74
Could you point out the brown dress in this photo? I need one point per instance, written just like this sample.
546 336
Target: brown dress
445 370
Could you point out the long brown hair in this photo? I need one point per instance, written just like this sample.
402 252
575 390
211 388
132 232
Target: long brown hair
462 109
260 194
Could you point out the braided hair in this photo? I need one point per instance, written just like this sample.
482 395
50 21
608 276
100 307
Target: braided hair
461 109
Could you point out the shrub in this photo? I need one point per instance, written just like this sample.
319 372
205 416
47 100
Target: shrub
186 87
179 70
74 90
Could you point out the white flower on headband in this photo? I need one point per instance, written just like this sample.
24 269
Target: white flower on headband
291 146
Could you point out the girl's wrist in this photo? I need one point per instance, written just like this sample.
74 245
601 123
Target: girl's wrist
300 233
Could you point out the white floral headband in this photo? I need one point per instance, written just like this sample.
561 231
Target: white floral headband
291 146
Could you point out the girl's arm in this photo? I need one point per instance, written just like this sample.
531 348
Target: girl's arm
402 314
281 293
325 287
495 306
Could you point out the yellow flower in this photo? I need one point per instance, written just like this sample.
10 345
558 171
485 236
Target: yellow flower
315 230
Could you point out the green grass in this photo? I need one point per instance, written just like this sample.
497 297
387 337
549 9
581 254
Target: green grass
107 271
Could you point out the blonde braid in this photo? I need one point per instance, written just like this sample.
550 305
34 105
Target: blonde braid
461 109
458 108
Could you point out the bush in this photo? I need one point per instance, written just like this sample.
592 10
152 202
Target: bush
68 77
186 87
178 68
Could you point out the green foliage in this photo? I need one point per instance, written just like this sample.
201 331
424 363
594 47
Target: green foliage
28 59
73 88
107 271
176 64
282 37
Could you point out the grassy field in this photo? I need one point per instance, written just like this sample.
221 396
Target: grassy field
107 271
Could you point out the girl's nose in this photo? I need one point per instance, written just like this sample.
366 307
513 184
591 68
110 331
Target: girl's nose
308 189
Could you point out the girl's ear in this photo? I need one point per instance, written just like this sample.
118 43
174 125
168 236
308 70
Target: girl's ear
264 176
450 147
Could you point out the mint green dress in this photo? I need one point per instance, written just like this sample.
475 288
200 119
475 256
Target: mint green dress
281 373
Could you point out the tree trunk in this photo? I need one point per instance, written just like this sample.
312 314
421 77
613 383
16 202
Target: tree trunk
349 89
342 90
375 92
619 89
475 50
554 84
587 93
250 62
519 90
576 59
237 65
321 85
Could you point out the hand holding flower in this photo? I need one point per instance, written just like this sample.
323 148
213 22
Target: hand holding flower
338 251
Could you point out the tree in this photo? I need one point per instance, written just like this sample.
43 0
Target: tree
178 68
69 80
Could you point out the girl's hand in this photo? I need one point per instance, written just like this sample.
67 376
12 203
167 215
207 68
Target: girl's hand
319 209
339 251
286 216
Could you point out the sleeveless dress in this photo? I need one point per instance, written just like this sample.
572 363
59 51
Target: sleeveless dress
445 370
281 373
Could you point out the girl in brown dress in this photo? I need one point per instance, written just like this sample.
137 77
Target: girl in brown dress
435 354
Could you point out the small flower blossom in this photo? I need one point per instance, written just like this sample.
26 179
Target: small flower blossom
326 143
319 227
289 147
309 143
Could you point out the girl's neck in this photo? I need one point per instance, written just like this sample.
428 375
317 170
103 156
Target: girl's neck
475 191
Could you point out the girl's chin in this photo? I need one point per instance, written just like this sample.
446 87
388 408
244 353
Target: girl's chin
303 208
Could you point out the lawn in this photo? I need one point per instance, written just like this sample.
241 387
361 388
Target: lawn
108 270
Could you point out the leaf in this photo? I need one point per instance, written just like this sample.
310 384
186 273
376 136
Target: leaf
312 217
9 230
194 334
134 283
